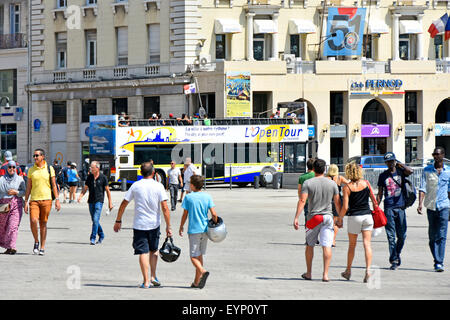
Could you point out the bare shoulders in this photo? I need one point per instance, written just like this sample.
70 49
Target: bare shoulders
356 186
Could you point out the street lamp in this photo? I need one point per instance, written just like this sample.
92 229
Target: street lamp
7 102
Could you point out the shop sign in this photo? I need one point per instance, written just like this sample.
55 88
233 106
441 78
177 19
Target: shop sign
376 86
413 130
442 129
311 131
375 131
338 131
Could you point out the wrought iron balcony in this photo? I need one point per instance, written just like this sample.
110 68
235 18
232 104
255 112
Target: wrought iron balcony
11 41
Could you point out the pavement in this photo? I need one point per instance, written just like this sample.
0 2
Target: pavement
261 258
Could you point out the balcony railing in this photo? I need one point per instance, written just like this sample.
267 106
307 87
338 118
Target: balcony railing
59 76
120 72
11 41
442 66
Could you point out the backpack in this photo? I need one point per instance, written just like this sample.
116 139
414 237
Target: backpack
408 190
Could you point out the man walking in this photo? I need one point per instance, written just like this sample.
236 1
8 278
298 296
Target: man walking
173 183
65 179
148 196
40 185
308 175
391 184
434 193
97 183
319 191
189 171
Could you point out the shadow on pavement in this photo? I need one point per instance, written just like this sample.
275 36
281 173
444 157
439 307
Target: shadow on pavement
267 278
65 242
109 286
286 243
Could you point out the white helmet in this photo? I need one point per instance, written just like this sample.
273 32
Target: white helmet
217 232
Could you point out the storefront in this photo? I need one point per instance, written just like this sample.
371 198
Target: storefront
375 138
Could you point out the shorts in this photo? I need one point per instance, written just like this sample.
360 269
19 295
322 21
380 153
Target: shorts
197 244
356 224
145 241
40 210
324 232
73 184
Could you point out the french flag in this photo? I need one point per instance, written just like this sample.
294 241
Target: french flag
440 25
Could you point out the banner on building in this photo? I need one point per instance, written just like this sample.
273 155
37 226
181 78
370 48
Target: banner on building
375 131
345 29
237 89
102 134
441 129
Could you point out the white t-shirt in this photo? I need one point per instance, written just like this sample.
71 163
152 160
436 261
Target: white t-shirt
148 195
173 175
188 173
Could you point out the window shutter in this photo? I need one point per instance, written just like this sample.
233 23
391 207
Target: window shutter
122 42
154 42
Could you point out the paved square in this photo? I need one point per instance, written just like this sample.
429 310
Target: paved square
262 258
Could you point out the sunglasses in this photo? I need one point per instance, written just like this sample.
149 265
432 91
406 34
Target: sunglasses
11 167
36 155
435 154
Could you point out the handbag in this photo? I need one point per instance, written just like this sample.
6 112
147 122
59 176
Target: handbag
5 208
379 218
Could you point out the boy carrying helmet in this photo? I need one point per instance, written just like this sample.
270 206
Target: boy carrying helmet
196 205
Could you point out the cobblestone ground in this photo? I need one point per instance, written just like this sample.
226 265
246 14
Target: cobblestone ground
262 258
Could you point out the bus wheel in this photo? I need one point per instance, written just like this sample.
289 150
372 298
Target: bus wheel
266 176
242 184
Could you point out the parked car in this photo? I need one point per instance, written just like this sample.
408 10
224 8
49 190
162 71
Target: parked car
369 161
422 163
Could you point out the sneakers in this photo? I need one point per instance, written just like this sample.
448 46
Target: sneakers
394 266
41 252
439 268
36 248
100 241
92 242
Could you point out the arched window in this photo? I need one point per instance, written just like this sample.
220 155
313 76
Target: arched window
374 113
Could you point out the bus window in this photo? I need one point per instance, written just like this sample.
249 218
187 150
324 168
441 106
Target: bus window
160 154
268 152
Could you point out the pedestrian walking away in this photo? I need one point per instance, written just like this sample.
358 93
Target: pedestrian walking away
196 206
333 174
189 171
319 191
65 185
41 185
308 175
391 185
174 182
355 203
73 178
148 196
97 184
12 190
434 193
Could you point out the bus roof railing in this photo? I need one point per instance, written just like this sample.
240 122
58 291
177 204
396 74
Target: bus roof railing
212 122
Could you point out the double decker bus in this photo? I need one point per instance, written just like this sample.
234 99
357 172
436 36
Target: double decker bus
224 150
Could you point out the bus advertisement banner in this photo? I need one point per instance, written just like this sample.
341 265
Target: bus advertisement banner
128 136
102 134
237 89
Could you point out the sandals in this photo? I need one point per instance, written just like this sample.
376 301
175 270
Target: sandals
304 276
346 275
366 277
143 286
193 285
156 282
203 279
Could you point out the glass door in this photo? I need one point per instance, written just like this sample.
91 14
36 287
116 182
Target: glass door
294 157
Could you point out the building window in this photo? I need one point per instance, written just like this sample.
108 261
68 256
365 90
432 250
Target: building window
119 105
208 103
88 108
154 43
221 46
14 18
258 47
88 2
61 50
59 112
9 137
151 106
296 45
336 107
61 3
122 46
411 107
8 85
438 47
367 46
2 22
405 47
91 46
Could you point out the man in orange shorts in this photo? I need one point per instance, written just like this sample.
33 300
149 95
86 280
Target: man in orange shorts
40 185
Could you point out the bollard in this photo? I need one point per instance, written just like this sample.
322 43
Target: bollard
124 185
256 182
276 180
231 178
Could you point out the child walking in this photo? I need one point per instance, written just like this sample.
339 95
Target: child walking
196 205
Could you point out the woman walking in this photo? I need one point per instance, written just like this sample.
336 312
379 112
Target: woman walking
12 189
333 174
73 179
356 205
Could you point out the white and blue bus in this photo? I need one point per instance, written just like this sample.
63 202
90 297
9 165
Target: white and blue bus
236 149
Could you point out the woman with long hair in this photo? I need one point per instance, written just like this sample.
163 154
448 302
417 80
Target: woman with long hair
73 179
356 205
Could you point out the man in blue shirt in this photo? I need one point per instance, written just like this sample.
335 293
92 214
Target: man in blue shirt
391 184
434 193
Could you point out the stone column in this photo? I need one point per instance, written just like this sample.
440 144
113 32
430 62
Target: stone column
324 33
73 145
136 107
420 40
275 38
250 36
104 106
395 36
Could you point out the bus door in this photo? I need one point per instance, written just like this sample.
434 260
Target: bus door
294 157
213 161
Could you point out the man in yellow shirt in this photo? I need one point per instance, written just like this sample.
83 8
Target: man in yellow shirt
38 186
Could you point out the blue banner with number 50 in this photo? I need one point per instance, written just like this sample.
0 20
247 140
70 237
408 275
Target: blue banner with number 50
345 29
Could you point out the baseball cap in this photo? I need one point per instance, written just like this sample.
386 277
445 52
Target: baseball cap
389 156
8 155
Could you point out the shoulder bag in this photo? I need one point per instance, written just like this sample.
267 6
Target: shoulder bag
379 218
50 180
408 190
4 208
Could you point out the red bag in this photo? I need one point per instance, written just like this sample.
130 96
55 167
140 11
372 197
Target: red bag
379 218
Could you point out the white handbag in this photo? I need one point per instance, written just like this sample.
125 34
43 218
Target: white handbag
4 208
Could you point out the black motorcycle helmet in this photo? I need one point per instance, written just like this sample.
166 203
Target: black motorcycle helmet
169 252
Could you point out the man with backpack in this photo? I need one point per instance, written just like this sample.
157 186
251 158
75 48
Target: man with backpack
392 185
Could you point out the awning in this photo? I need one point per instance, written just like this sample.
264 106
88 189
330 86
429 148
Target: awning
222 26
264 26
410 27
378 26
301 26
